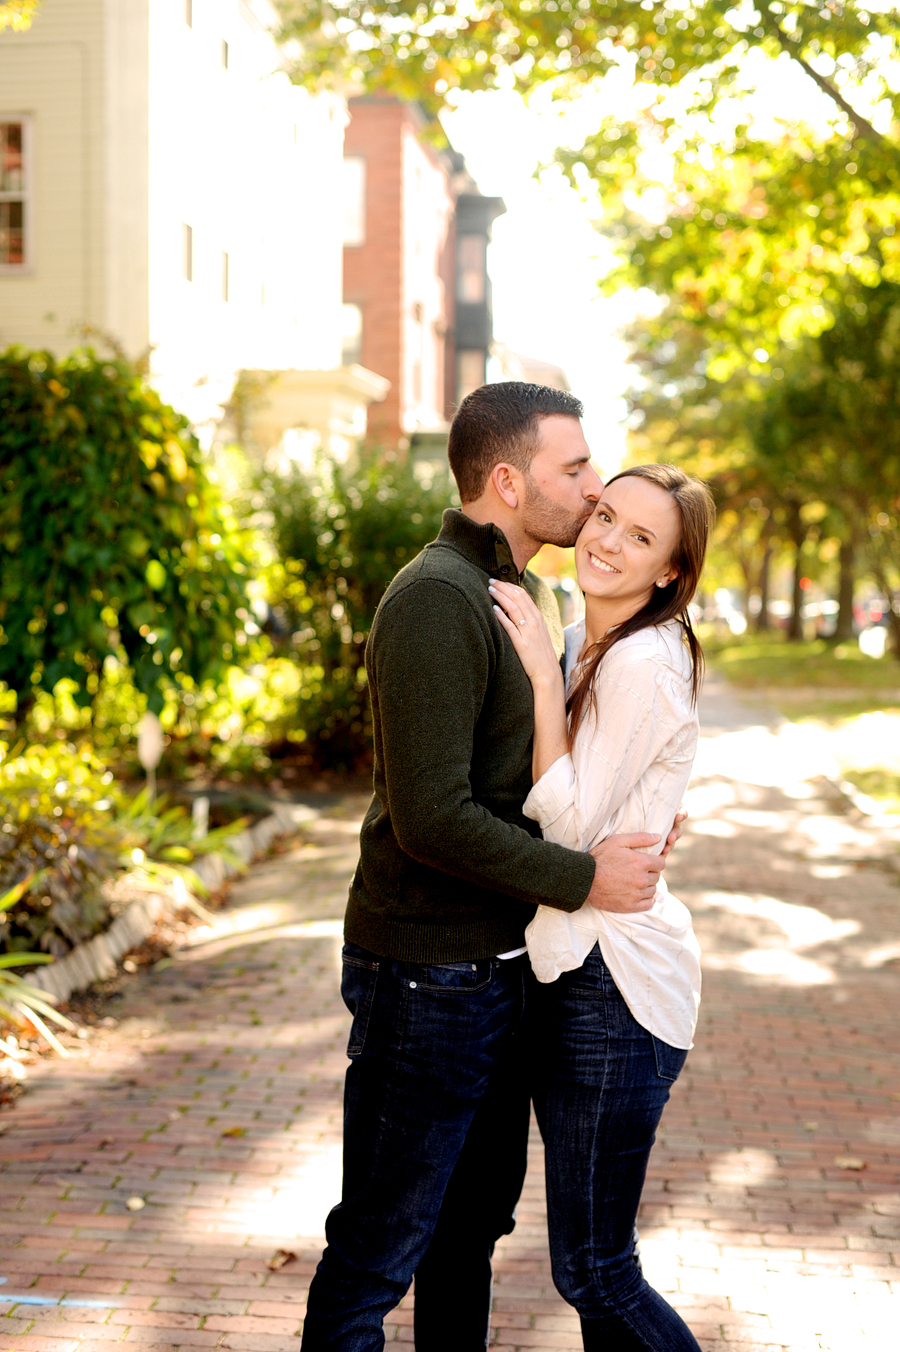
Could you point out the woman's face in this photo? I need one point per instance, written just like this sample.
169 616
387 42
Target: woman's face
624 548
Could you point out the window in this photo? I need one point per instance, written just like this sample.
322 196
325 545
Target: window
224 54
354 200
351 339
187 253
224 276
14 222
471 268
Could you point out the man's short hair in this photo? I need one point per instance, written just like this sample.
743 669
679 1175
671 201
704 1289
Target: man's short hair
500 423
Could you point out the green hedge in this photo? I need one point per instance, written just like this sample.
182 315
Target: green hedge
112 540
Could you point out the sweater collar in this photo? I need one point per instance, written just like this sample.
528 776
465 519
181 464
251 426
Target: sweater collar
485 546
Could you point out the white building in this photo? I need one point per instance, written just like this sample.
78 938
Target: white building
162 182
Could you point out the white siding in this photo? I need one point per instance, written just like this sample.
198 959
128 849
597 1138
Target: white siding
138 129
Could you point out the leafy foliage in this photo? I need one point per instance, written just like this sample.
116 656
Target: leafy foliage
434 46
17 14
56 826
746 225
802 448
66 830
112 540
342 533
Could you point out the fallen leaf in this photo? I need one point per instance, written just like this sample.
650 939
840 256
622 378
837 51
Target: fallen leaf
104 1142
236 1131
135 1204
279 1258
811 1126
849 1162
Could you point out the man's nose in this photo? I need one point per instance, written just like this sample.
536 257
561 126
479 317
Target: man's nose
593 486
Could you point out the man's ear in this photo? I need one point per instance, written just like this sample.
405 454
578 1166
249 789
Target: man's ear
508 484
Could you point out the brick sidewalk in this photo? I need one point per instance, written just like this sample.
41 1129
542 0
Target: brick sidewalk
216 1101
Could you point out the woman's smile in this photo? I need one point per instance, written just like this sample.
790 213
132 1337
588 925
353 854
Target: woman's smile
600 564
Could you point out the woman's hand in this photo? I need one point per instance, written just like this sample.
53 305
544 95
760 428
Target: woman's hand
530 636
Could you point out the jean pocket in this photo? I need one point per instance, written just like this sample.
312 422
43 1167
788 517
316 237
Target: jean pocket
669 1060
358 981
453 978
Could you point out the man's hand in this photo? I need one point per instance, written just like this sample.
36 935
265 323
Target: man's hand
625 880
675 834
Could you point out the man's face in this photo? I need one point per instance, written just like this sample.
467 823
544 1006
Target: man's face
561 488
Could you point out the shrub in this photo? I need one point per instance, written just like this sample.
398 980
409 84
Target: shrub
113 543
342 532
66 826
56 822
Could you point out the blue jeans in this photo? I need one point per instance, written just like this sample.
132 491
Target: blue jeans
435 1135
601 1087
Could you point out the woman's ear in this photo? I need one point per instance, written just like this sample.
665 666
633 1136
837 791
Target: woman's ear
667 577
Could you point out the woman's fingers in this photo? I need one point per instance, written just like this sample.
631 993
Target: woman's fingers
514 596
516 603
509 625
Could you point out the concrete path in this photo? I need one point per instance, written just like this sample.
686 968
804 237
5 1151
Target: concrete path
210 1092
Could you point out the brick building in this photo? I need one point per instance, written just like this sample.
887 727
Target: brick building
417 303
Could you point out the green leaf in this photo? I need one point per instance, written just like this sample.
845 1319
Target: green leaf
155 575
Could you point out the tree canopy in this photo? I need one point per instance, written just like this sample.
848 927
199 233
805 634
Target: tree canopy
17 14
745 221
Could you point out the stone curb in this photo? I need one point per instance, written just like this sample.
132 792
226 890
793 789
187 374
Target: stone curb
96 959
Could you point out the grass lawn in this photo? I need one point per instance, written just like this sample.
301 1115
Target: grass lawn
808 680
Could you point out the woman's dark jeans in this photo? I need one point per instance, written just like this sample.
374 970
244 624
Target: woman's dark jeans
602 1085
435 1137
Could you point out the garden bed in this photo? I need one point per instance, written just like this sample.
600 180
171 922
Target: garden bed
96 959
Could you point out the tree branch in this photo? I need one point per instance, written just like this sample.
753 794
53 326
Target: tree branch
861 126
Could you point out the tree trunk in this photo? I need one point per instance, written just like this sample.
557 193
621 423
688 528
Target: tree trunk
761 623
847 558
893 619
798 535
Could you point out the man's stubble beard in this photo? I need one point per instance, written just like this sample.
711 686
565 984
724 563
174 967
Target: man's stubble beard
546 522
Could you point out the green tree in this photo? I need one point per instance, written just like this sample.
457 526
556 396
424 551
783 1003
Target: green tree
804 456
749 230
833 425
17 14
342 532
113 543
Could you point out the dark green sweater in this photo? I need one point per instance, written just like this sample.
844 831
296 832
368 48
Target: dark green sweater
450 869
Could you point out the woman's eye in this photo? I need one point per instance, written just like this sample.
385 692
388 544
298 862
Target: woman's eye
642 538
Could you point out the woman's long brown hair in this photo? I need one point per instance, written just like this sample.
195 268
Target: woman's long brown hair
697 511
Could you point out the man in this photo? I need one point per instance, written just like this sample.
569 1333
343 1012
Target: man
436 1099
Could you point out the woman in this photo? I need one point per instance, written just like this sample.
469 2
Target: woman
619 1001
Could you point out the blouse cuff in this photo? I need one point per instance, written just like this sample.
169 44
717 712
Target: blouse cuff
552 794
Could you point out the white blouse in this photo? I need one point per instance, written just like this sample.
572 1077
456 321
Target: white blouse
628 770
